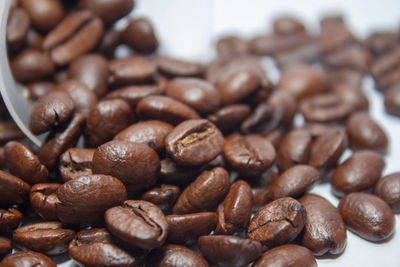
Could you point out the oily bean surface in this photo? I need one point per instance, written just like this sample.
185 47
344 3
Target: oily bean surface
175 255
289 255
43 199
27 258
388 188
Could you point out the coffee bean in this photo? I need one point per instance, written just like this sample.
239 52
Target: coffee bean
285 105
9 219
334 33
13 190
365 133
165 109
45 237
177 67
109 11
225 250
204 193
186 228
294 182
305 53
140 36
22 162
151 133
43 199
345 77
40 88
234 213
367 216
381 42
27 258
289 255
17 29
136 165
174 256
285 25
134 93
92 70
140 223
76 162
230 46
112 38
85 199
353 56
388 188
107 119
264 119
194 142
358 173
45 14
352 95
249 155
170 172
9 131
324 231
164 196
229 117
136 69
5 247
392 101
278 222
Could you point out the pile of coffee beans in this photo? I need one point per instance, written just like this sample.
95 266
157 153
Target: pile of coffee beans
189 164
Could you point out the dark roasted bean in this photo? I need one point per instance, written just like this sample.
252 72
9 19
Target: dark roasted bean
131 70
13 190
76 162
289 255
9 219
133 94
175 256
229 117
5 247
28 259
388 188
43 199
177 67
109 11
45 14
164 196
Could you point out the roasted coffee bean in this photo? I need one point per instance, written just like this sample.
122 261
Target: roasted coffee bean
107 119
40 88
112 38
358 173
284 105
365 133
388 188
140 36
196 93
278 222
133 94
45 237
324 231
249 155
229 117
352 95
285 25
17 29
9 219
28 259
9 131
170 172
49 111
136 165
175 256
367 216
306 53
294 149
31 65
232 251
392 101
43 199
264 119
381 42
194 142
109 11
92 70
263 45
83 98
5 247
13 190
151 133
334 33
95 247
165 109
204 193
76 162
136 69
60 140
347 77
75 35
34 39
186 228
45 14
85 199
177 67
164 196
234 213
294 182
385 64
229 46
354 57
289 255
22 162
140 223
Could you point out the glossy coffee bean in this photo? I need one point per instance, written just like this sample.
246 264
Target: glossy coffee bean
392 101
28 259
40 88
186 228
43 199
17 29
388 188
45 237
249 155
140 36
134 93
75 35
324 231
109 10
264 119
234 213
87 204
278 222
225 250
289 255
109 42
151 133
204 193
136 165
177 67
367 216
22 162
365 133
194 142
91 69
136 69
107 119
13 190
9 219
229 117
49 111
5 247
165 109
358 173
352 95
294 182
44 14
9 131
76 162
163 196
170 172
140 223
175 256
